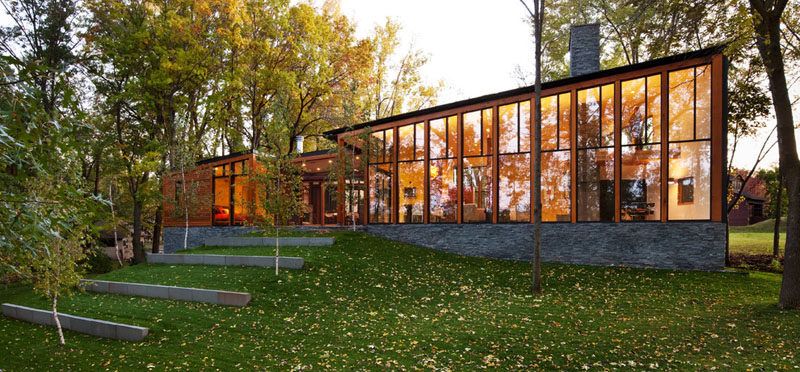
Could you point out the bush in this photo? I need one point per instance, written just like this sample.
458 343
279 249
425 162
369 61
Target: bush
98 262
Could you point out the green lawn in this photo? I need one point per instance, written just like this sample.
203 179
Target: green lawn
367 303
756 238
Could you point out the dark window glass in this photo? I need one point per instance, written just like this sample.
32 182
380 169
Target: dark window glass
595 187
380 193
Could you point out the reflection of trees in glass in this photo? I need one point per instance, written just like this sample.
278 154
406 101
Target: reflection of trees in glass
478 196
443 190
690 112
406 143
411 177
556 186
514 188
380 193
641 110
477 128
549 123
564 120
589 118
443 138
443 186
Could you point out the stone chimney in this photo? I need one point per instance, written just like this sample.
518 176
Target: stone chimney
298 144
584 49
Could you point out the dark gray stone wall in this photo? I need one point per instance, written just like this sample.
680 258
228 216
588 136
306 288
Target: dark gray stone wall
173 236
672 245
584 49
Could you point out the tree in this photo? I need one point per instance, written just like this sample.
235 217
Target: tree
46 210
767 21
537 18
776 205
276 184
348 165
395 84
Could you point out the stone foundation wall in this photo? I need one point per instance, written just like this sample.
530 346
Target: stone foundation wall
673 245
173 236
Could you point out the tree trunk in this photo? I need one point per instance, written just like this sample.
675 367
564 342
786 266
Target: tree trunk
776 239
536 280
157 228
277 222
114 222
766 22
138 250
55 317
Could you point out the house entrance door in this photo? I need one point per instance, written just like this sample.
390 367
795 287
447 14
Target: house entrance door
316 204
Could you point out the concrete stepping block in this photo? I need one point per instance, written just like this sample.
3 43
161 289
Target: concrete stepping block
225 260
269 242
211 296
94 327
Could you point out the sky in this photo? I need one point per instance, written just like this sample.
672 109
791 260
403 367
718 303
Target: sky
475 46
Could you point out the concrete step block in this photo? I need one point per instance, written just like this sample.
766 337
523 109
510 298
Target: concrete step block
233 298
95 327
192 259
211 259
180 293
203 295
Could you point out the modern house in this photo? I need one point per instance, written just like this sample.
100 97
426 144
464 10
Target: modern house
219 198
632 167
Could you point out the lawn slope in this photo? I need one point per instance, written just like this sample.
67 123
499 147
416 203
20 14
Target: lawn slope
367 303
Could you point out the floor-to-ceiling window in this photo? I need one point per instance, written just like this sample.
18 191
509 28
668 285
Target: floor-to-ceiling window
443 186
595 154
380 174
514 191
241 192
640 151
478 189
640 186
556 170
690 144
411 173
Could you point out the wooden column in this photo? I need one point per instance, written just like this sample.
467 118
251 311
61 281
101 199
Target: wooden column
460 166
495 163
617 151
341 213
664 146
718 130
426 203
573 153
532 140
395 175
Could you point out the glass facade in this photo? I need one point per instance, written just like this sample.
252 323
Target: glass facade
640 183
637 148
514 171
595 154
443 170
231 194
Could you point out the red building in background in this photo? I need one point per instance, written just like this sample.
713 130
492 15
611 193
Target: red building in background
750 209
